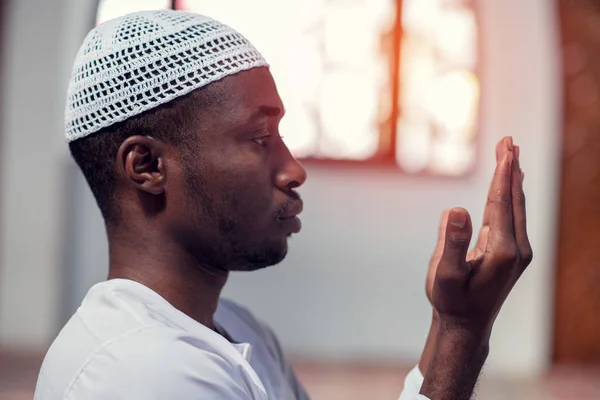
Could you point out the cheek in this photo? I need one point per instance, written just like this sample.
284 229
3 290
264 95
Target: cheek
250 197
191 193
237 181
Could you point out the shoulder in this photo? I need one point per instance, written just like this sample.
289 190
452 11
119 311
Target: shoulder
244 326
158 363
237 319
229 309
227 306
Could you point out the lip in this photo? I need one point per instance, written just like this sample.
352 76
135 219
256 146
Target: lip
289 218
292 210
291 224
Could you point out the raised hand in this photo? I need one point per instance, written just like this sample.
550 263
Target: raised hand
482 238
470 288
472 292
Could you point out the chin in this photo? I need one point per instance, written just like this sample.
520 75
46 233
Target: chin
263 258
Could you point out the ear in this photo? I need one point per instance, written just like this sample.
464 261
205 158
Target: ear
140 160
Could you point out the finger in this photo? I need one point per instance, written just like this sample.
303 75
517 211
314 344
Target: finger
482 239
500 203
517 151
452 266
502 147
437 253
519 214
442 229
517 158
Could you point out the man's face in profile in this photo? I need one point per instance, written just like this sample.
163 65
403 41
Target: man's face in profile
236 206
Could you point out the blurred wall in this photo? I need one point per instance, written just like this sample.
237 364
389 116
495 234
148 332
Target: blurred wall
353 284
40 42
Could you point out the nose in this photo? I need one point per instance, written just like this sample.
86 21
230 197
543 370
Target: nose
291 174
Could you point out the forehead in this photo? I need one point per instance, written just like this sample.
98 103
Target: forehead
243 95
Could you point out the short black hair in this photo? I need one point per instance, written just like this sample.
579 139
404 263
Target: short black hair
174 123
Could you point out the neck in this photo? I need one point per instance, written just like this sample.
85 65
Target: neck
164 266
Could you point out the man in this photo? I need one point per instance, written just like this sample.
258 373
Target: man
173 119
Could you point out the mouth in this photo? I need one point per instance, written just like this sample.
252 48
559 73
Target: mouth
291 224
288 217
291 210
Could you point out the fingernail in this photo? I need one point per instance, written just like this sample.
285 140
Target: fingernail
458 219
522 175
517 152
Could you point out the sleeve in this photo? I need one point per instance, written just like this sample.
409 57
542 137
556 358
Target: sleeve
412 386
159 368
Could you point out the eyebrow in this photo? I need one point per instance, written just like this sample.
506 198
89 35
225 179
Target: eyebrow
269 111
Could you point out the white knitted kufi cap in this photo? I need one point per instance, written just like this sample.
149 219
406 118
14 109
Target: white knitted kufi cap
139 61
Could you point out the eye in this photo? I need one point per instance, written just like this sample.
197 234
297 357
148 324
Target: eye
263 140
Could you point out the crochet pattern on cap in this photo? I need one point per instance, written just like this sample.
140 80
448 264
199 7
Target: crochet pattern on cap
139 61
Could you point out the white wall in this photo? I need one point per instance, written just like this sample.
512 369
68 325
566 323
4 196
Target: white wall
352 286
40 40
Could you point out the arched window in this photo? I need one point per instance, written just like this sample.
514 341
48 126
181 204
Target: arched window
365 82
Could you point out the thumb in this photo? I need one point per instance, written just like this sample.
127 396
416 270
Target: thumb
456 245
441 239
442 229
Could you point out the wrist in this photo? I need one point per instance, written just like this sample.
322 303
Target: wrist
463 329
430 344
458 338
455 364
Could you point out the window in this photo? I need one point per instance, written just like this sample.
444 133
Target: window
380 82
438 100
